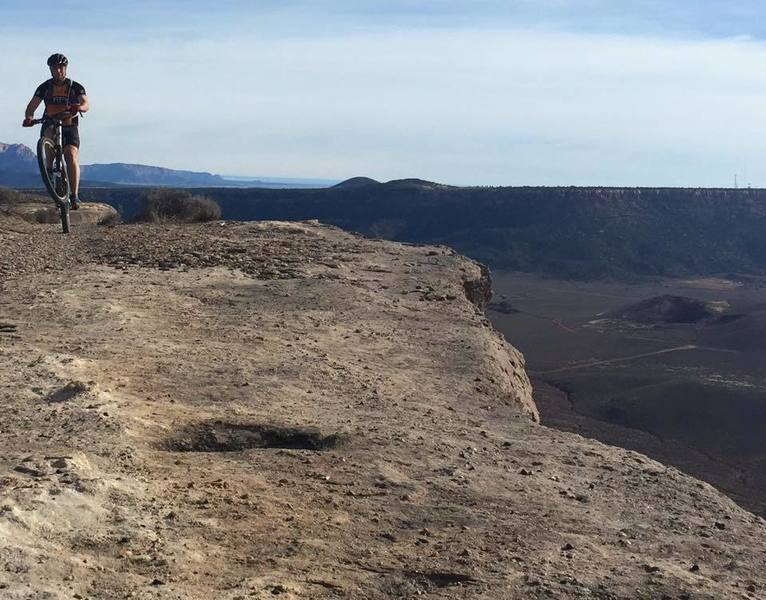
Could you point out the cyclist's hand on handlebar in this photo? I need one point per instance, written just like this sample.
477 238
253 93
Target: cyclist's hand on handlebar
27 122
73 109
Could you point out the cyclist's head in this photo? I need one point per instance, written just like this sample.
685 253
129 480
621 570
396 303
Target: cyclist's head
57 60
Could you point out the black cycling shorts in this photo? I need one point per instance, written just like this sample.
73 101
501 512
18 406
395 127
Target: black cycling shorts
70 135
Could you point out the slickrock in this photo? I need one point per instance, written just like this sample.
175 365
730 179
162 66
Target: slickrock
89 213
254 410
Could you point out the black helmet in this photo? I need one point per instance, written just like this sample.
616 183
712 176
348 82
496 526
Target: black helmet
57 59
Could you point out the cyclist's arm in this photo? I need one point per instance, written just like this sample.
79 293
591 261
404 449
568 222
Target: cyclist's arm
32 106
83 101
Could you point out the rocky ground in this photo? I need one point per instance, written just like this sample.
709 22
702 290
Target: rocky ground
261 410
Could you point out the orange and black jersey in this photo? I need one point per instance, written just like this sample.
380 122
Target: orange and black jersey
58 95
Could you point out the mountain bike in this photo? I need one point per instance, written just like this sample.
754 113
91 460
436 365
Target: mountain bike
50 159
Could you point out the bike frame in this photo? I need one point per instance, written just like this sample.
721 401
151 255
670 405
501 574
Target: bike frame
59 164
53 167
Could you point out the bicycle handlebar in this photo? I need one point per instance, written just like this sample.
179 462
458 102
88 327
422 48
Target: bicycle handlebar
59 116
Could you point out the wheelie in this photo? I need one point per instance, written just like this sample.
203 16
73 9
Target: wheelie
59 143
53 167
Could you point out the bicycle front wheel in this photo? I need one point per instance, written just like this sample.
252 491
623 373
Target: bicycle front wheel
52 170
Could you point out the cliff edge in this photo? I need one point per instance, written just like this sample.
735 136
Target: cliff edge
251 410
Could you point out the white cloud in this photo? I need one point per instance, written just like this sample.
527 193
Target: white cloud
463 105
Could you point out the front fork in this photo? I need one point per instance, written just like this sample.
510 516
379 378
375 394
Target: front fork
58 171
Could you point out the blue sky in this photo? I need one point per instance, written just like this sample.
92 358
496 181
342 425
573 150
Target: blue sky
513 92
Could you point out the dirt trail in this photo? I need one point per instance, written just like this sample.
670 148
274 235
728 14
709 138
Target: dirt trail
611 361
258 410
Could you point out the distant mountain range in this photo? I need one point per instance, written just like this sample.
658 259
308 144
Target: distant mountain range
18 165
128 174
18 168
16 156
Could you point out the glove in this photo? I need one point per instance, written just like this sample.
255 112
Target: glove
73 109
27 122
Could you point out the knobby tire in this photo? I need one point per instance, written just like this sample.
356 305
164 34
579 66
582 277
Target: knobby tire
64 212
55 180
58 189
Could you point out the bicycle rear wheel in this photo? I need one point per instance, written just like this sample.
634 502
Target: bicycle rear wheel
52 170
64 213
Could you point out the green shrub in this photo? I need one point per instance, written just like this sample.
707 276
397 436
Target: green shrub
167 204
9 197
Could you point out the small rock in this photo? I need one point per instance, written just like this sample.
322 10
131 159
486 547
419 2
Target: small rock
651 568
625 543
278 589
531 580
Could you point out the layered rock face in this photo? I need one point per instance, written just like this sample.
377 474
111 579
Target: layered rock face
267 409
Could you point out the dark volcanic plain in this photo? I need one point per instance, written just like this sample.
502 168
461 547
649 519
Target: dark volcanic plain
688 394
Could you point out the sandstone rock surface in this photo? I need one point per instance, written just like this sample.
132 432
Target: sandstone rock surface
254 410
89 213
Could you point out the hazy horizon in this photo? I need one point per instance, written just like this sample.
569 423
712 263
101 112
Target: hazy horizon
586 92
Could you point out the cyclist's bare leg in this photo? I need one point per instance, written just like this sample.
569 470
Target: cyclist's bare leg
72 157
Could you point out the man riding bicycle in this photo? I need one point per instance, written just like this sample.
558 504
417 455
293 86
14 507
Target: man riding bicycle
61 94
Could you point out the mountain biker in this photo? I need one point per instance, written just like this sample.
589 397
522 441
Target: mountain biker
62 94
